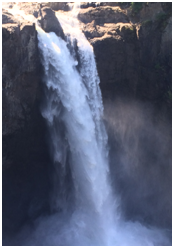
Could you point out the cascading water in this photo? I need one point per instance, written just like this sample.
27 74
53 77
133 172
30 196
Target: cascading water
73 101
96 220
80 97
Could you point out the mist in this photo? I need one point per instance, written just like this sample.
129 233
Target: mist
139 143
140 153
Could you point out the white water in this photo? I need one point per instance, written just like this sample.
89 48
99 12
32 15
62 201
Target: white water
17 12
82 116
96 219
74 98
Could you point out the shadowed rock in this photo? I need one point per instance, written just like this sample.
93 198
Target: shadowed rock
59 6
23 196
8 18
50 23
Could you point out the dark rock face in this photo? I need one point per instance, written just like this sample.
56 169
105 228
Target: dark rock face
116 48
20 77
50 23
25 153
133 51
8 18
59 6
25 178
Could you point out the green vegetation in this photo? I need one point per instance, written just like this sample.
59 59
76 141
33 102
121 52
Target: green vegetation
131 28
136 7
162 17
167 7
146 23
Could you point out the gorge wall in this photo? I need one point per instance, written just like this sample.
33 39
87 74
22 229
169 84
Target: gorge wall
133 51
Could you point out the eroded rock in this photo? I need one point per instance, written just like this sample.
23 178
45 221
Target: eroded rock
133 51
59 6
102 14
8 18
50 23
20 63
24 153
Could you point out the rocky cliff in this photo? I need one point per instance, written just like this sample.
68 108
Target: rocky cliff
132 45
133 49
24 154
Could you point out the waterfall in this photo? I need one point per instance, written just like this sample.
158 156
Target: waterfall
74 99
81 112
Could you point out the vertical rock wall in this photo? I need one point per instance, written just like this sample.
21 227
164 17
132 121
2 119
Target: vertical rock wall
25 159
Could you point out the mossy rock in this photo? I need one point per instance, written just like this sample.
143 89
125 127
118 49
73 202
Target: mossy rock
136 7
147 23
162 19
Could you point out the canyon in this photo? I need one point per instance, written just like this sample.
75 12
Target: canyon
133 52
